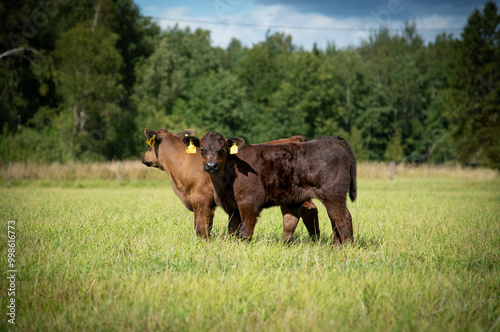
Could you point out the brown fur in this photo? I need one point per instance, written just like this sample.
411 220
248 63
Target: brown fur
261 176
193 186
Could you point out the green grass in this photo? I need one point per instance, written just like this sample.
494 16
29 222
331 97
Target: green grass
102 257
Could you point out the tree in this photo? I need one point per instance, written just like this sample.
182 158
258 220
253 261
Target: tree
436 141
262 71
395 149
233 54
346 65
215 101
475 114
89 85
305 97
181 66
356 142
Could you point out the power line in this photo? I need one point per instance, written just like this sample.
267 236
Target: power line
274 26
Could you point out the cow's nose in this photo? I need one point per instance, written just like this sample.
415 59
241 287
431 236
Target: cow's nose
147 163
211 167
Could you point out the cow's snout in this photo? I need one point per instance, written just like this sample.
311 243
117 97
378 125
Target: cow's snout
147 163
211 167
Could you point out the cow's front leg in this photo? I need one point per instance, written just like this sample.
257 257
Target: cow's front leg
249 219
234 222
203 219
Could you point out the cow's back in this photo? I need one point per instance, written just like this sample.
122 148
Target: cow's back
291 173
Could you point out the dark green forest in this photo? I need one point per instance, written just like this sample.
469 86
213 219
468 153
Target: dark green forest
80 80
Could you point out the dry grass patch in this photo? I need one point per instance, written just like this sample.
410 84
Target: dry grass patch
135 170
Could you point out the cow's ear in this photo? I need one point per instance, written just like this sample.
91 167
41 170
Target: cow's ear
234 143
299 138
153 137
191 143
235 140
187 132
149 133
187 140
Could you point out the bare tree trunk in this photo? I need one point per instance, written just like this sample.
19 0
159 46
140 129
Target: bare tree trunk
18 49
77 119
96 15
347 97
75 129
348 102
83 116
82 120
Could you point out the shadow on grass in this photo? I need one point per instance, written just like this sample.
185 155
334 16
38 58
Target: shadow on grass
365 242
360 241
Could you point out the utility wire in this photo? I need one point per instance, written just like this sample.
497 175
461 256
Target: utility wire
274 26
295 27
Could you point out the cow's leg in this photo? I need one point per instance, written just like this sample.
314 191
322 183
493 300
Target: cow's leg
249 219
234 222
309 213
203 219
290 221
341 220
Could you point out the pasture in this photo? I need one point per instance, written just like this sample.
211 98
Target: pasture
92 255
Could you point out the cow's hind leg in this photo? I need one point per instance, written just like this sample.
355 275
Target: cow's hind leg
309 213
341 220
290 221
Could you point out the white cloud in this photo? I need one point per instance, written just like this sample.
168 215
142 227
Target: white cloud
177 12
264 16
287 17
441 22
152 9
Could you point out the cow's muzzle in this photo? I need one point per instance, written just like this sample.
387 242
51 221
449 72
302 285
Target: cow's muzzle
147 163
211 167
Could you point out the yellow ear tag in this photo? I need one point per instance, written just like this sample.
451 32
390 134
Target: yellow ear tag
233 149
191 148
151 141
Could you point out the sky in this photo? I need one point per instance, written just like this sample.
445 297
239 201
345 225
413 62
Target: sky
344 23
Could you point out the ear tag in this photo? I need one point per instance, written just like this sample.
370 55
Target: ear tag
233 149
191 149
151 141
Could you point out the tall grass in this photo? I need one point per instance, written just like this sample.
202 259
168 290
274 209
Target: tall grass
426 257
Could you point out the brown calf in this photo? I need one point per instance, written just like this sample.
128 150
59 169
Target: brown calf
260 176
193 186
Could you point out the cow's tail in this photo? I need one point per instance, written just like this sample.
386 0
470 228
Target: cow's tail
353 191
352 186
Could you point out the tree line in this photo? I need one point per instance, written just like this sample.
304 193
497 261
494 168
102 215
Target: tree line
81 80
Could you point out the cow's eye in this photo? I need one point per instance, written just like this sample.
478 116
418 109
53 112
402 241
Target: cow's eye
202 150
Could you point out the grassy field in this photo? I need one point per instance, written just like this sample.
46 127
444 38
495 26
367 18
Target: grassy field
92 255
